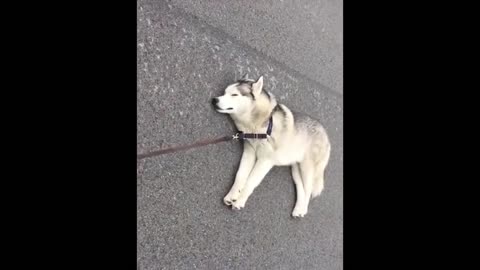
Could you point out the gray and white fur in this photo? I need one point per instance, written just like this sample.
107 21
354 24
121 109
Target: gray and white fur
297 140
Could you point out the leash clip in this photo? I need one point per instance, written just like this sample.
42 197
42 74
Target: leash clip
235 137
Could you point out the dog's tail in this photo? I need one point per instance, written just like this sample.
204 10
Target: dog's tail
321 164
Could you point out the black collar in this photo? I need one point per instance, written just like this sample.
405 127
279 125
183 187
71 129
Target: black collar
242 136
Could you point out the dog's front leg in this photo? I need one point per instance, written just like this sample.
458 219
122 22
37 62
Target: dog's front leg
246 165
261 168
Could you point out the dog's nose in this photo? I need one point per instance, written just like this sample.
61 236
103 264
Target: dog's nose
214 101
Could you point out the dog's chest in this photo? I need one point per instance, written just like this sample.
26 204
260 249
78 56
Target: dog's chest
280 153
262 146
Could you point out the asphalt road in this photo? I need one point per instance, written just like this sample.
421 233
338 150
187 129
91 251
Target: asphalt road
188 51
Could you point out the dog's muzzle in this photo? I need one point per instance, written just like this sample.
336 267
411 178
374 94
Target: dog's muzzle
215 102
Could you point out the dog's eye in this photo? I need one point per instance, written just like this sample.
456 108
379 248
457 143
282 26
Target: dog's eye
234 95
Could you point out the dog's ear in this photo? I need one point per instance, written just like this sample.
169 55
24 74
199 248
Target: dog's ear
257 86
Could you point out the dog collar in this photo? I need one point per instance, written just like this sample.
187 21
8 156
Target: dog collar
242 136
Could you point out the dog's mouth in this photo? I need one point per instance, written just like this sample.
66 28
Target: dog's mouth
220 109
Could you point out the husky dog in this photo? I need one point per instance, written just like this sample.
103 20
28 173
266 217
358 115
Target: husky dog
273 135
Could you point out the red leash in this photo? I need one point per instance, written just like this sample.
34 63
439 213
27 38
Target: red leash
185 147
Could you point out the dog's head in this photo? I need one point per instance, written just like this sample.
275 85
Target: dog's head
241 97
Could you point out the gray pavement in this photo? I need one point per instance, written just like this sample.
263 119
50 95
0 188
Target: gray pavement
187 53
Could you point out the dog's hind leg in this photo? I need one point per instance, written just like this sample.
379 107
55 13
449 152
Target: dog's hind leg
320 167
297 179
307 171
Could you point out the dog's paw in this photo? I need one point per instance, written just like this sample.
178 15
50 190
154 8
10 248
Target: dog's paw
231 198
238 204
228 200
299 212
